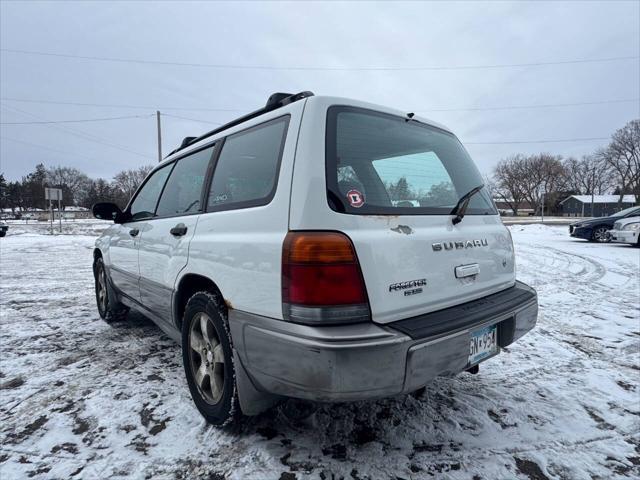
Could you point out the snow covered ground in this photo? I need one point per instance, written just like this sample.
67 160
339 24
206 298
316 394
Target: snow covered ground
82 399
89 226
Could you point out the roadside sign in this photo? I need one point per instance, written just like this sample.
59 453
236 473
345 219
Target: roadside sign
52 193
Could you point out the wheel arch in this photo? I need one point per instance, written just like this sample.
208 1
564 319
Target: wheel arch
186 287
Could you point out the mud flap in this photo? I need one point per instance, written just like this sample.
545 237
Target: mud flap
252 401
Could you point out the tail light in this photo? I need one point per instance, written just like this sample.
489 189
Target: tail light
321 279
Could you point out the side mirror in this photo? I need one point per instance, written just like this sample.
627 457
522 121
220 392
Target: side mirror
107 211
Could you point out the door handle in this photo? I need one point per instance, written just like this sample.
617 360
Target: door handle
179 230
134 232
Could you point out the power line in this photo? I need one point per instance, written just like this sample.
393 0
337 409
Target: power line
46 148
98 140
538 141
76 121
316 68
424 110
519 107
146 107
190 119
78 133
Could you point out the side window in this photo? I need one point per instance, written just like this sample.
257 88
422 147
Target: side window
247 169
182 193
144 205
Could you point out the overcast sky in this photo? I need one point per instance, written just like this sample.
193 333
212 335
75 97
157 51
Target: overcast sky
393 36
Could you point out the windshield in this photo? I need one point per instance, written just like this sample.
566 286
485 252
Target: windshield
383 164
624 212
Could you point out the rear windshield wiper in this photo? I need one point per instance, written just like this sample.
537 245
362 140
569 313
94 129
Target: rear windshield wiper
461 207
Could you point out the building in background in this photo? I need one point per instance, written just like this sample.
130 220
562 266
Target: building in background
603 205
506 207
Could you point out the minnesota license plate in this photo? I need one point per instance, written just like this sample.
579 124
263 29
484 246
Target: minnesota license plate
483 344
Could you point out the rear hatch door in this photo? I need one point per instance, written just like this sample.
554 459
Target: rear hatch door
391 185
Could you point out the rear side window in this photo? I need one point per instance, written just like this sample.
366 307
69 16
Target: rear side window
183 192
246 171
144 205
378 163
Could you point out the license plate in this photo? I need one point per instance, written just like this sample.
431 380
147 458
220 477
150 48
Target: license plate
483 344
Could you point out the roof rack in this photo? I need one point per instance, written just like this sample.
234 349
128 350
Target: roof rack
274 102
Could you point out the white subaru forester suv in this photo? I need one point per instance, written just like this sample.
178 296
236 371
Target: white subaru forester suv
319 248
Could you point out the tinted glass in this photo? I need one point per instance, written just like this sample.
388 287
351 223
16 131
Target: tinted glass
382 164
184 187
247 169
144 205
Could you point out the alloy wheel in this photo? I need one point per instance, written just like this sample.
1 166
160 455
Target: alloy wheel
207 358
600 235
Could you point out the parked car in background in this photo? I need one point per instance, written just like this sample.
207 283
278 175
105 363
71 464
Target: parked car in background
314 282
597 229
3 229
626 230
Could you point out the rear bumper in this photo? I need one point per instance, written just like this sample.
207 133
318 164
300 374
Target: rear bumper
624 236
364 361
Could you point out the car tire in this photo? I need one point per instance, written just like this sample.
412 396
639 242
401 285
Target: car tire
207 356
109 308
600 234
2 233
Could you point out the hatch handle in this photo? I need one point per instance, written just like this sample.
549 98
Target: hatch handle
467 270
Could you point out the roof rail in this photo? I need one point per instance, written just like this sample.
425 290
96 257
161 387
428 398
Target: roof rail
274 102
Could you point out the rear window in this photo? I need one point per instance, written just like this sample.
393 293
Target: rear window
381 164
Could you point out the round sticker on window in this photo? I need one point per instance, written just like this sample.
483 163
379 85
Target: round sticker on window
356 199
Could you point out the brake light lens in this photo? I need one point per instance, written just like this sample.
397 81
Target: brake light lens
321 279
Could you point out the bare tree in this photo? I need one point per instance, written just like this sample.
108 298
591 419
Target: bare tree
101 190
540 175
508 184
490 185
588 176
623 155
128 181
71 180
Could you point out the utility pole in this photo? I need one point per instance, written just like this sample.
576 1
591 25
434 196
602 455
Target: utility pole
60 210
159 136
593 188
542 211
51 214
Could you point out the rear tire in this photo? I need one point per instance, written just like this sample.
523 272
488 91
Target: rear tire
2 233
207 356
600 234
109 308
